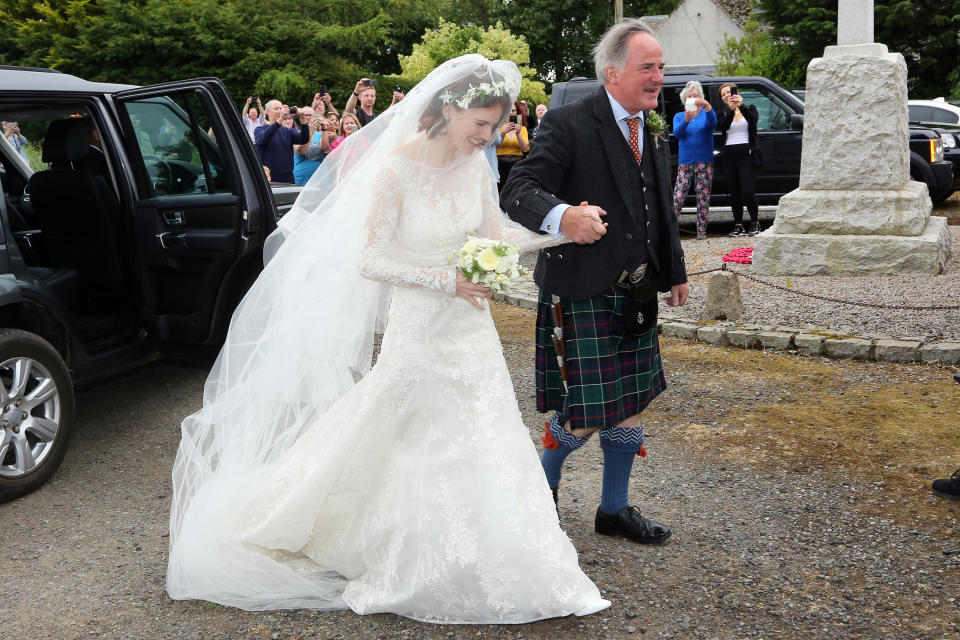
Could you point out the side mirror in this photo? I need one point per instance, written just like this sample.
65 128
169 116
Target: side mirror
796 122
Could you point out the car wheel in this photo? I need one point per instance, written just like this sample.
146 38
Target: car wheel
36 400
923 173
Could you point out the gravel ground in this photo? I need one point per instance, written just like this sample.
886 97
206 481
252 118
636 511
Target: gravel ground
768 306
763 547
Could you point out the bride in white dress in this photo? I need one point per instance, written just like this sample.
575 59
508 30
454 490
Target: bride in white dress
309 479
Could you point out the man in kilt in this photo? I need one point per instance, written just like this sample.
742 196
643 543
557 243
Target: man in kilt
600 175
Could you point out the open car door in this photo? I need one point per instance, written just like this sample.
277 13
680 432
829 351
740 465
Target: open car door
202 208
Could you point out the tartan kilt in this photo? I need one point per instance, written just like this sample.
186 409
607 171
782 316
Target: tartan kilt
611 374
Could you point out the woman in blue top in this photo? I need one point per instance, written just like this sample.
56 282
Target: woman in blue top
693 128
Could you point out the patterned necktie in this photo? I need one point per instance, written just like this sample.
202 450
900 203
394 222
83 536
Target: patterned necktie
634 125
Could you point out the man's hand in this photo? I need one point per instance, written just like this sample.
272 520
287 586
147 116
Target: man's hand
470 291
360 85
582 224
678 295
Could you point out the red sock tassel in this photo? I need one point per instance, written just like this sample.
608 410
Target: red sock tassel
549 442
642 452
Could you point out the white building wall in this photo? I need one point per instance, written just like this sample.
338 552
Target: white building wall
694 31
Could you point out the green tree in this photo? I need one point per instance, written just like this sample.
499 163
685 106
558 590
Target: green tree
275 50
562 33
449 40
758 54
929 45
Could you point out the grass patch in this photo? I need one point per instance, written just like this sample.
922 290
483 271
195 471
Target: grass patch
898 424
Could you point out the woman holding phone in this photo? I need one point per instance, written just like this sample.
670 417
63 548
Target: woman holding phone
693 127
515 142
739 156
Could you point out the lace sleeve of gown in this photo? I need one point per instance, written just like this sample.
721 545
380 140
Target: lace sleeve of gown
377 257
497 225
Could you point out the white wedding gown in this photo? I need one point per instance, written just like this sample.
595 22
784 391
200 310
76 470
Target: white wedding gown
419 492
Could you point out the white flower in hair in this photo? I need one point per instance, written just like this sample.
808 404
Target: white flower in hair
474 92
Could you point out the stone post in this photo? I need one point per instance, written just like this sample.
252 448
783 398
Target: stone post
856 211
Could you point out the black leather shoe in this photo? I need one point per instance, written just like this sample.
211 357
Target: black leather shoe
629 524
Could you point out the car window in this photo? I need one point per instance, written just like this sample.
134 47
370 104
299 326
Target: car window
177 145
943 115
774 114
671 103
919 113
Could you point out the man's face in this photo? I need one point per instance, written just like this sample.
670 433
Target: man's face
368 97
637 85
274 110
541 109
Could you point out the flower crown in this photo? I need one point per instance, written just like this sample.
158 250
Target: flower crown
475 92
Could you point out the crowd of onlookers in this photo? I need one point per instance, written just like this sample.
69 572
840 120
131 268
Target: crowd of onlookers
292 142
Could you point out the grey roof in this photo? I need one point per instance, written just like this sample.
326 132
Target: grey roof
30 80
739 10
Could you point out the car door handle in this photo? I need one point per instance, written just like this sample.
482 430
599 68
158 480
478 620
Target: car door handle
173 218
169 239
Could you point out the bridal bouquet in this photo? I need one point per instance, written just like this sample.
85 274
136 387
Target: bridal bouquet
491 263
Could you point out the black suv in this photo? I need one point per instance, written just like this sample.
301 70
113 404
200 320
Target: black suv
780 131
131 224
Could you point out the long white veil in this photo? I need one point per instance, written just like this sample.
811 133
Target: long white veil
301 338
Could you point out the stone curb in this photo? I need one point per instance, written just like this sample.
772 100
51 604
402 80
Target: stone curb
806 343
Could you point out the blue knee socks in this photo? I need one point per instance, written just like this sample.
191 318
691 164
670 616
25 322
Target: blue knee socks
620 445
558 443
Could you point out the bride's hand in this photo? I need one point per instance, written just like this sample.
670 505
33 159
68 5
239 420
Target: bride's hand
470 291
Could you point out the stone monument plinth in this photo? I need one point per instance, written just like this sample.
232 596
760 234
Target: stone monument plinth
857 211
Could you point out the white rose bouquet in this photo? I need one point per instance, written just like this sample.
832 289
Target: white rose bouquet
491 263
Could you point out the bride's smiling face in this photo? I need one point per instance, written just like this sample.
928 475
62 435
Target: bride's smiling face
471 129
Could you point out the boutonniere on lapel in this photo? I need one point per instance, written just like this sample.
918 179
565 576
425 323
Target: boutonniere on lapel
657 127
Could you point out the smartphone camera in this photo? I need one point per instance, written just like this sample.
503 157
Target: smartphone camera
733 91
370 83
512 119
398 89
322 89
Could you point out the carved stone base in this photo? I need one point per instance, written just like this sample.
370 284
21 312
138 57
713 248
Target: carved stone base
895 212
809 254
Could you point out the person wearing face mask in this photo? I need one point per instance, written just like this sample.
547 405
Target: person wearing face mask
739 157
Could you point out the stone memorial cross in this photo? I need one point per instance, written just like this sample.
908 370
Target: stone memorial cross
856 211
855 22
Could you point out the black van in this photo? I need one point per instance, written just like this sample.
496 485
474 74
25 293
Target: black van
780 133
131 224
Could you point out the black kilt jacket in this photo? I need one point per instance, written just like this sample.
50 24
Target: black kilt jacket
580 154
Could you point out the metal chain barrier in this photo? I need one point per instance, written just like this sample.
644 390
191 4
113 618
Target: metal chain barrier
872 305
